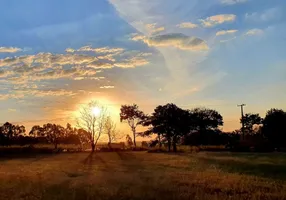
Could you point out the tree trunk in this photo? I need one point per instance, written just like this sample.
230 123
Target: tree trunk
175 144
160 143
134 138
92 147
56 145
169 144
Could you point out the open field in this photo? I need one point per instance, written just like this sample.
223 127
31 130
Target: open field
141 175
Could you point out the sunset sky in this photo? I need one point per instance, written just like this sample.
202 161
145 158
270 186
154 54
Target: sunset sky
56 55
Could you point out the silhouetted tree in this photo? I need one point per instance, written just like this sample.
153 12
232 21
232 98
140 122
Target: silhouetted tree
129 141
53 133
84 137
10 131
110 130
133 116
204 122
250 120
168 121
92 122
274 127
36 131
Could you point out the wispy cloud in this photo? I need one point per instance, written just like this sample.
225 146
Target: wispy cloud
9 49
217 19
254 32
265 16
177 40
223 41
11 96
107 87
12 110
102 50
153 28
224 32
22 93
74 66
187 25
232 2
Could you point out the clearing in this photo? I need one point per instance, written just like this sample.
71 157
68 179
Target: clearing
141 175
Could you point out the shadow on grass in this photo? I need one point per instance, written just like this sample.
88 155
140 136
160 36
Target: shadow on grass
28 157
272 171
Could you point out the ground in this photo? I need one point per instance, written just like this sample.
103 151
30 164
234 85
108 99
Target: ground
142 175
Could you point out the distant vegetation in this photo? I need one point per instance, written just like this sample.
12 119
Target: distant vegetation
168 124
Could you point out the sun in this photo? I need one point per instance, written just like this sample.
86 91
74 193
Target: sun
95 111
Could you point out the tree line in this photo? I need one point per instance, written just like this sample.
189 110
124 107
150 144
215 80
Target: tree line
173 125
168 125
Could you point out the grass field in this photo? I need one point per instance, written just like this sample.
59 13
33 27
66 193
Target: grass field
141 175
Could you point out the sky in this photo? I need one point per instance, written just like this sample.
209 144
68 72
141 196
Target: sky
56 56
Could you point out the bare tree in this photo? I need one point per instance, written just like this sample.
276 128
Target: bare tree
110 129
92 117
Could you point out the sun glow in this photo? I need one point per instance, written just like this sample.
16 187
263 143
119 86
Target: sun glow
95 111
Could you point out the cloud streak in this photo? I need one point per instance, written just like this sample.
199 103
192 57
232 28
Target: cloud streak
253 32
187 25
177 40
9 49
232 2
218 19
225 32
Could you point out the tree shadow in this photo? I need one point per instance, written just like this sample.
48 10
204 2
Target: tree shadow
92 159
27 157
263 170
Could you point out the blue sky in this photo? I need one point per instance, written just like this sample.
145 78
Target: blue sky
56 55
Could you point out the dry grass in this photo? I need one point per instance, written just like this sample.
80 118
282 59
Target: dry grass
141 175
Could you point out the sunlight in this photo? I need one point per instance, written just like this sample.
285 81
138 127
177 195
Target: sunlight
95 111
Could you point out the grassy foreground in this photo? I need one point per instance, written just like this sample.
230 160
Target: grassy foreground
141 175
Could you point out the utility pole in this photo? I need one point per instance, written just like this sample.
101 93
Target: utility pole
242 118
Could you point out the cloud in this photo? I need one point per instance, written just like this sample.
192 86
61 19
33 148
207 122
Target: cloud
254 32
224 32
132 62
75 66
265 16
217 19
151 28
107 87
11 96
177 40
4 74
12 110
232 2
44 93
187 25
223 41
103 50
19 94
9 49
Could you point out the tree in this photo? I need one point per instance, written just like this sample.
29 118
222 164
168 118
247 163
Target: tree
274 127
53 133
204 121
129 140
36 131
84 137
10 131
170 122
92 118
110 130
250 120
133 116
